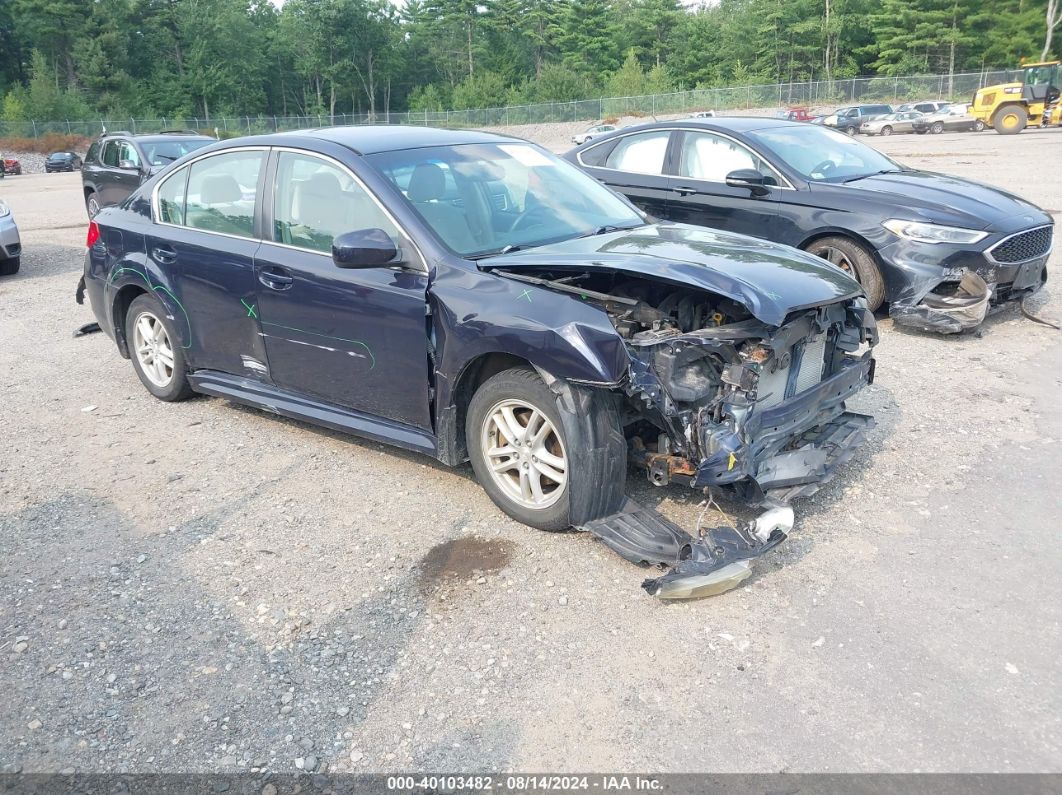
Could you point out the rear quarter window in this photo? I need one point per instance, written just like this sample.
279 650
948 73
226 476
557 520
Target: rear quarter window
93 153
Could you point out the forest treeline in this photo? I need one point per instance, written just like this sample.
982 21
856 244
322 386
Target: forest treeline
75 59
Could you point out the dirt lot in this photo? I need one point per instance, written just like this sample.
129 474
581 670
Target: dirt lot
203 587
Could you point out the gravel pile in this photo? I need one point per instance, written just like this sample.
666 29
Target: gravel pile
32 163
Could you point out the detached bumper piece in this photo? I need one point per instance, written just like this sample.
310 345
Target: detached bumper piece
720 559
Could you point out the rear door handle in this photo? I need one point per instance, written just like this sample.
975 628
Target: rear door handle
275 279
164 255
685 191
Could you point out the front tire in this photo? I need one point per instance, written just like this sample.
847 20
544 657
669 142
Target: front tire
9 267
1011 120
517 445
937 128
154 347
886 130
979 126
855 260
851 131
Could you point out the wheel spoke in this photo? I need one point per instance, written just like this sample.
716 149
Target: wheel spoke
515 428
550 460
147 332
505 466
166 357
525 485
551 473
535 479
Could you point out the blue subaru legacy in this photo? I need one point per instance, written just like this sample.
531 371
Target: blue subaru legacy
472 297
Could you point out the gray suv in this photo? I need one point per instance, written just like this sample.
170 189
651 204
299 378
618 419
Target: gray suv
118 162
850 119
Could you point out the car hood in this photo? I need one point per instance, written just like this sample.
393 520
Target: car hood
941 199
771 280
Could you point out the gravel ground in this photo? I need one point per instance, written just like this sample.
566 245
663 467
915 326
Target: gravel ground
204 587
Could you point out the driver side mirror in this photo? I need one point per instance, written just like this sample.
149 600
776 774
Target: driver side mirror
748 178
364 248
128 165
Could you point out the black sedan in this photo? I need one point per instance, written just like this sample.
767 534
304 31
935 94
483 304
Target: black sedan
939 249
473 297
62 161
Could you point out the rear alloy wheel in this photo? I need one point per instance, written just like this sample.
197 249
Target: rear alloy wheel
155 350
856 261
1011 120
92 205
937 128
517 448
886 130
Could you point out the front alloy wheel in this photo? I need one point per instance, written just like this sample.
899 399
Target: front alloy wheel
525 454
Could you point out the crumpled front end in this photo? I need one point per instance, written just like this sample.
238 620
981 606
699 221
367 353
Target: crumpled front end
932 288
770 417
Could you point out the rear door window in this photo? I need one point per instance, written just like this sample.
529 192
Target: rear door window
221 192
642 153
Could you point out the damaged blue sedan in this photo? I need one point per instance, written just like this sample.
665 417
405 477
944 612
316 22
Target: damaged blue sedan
474 298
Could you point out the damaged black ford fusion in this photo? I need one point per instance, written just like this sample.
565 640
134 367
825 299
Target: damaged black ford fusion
473 297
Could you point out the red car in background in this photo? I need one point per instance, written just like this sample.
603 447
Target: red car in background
798 114
12 166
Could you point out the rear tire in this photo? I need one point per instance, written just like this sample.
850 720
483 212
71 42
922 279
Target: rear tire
855 260
92 205
851 131
155 349
9 267
515 411
1011 120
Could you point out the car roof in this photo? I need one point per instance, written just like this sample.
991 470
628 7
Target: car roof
722 123
368 139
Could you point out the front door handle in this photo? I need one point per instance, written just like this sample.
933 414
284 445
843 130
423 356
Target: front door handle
164 255
275 279
684 191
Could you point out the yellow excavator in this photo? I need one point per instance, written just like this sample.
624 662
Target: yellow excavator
1010 107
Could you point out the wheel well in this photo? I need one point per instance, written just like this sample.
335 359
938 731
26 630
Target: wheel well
89 190
841 233
1008 105
119 309
472 377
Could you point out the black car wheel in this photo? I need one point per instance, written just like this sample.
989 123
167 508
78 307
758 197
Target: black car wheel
979 126
92 204
937 128
155 350
855 260
516 443
9 267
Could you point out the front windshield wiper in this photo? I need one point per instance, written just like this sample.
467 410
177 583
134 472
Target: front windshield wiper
872 174
604 230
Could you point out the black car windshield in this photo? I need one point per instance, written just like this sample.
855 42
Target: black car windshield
55 157
491 198
822 155
162 153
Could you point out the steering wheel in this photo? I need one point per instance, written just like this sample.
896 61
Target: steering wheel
824 168
526 219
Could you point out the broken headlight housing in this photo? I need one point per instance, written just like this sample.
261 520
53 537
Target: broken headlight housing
932 233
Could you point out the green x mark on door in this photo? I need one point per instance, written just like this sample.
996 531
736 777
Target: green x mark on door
252 310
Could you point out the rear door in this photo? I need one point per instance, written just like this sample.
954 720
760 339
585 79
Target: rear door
353 338
635 166
699 193
205 238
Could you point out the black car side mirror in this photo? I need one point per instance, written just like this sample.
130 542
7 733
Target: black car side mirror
748 178
364 248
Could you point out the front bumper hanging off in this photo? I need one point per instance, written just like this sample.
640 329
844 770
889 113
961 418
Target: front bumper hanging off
719 559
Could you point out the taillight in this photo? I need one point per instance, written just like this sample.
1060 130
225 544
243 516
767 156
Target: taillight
93 234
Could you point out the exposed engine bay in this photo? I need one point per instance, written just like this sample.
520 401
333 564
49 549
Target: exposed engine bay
715 397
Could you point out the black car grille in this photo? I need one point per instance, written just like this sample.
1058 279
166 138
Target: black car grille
1023 246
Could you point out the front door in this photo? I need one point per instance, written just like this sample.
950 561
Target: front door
353 338
699 193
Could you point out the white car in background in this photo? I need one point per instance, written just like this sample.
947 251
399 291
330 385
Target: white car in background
10 243
586 135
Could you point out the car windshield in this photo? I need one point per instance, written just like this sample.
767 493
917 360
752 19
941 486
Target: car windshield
484 199
823 155
59 156
161 153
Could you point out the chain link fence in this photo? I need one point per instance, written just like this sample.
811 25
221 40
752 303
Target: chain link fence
818 93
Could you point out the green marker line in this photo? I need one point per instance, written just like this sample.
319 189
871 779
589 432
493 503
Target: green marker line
158 288
252 310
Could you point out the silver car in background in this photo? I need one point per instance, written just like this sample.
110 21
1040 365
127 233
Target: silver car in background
599 129
10 243
892 123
